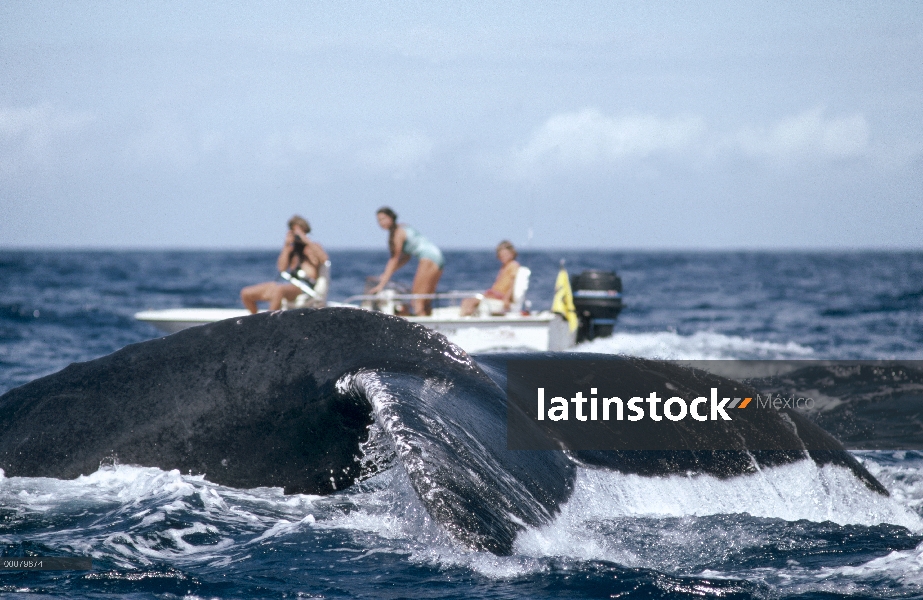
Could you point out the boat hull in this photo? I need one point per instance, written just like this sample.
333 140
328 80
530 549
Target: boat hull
172 320
540 332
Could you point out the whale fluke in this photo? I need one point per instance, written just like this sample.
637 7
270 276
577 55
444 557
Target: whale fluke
286 399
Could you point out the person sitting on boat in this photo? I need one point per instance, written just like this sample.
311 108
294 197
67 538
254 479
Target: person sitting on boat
498 298
302 258
405 242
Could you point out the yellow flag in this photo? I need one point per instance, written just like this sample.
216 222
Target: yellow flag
563 303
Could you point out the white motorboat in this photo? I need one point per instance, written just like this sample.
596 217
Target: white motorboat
490 329
514 329
540 331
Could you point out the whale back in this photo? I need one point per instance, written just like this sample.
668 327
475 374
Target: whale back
287 399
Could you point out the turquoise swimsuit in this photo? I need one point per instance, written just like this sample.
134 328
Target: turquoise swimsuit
419 246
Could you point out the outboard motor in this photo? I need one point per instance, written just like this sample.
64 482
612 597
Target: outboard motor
598 301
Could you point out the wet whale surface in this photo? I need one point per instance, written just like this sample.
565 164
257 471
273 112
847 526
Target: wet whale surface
288 399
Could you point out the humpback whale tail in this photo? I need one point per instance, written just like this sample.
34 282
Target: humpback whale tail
287 399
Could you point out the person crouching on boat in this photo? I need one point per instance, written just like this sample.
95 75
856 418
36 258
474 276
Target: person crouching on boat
498 298
301 257
404 242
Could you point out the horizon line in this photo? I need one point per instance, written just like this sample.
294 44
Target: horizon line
664 249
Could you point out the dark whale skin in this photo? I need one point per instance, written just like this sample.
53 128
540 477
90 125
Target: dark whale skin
248 402
255 401
272 400
754 439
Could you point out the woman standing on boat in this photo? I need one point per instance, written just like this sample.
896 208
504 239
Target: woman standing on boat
403 243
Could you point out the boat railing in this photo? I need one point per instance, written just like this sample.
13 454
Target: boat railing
386 296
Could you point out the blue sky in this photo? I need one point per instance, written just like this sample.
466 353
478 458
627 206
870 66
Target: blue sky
567 125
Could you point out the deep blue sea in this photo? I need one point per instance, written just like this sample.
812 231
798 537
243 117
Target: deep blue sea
799 531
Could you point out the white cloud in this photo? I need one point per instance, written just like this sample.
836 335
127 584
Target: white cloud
166 141
398 155
32 134
39 122
589 137
808 135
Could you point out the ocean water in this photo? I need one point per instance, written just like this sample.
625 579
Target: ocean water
796 531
